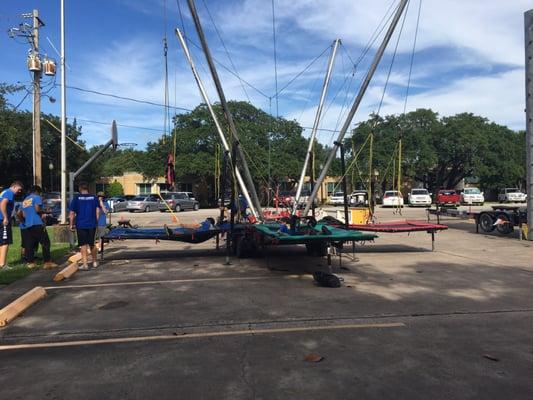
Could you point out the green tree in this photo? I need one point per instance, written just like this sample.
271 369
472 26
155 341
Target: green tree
115 189
16 161
440 152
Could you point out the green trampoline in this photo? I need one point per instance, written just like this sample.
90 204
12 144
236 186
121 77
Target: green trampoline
279 234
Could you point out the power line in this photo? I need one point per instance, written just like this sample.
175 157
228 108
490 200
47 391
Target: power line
124 98
275 57
89 121
231 72
412 56
161 130
225 48
302 71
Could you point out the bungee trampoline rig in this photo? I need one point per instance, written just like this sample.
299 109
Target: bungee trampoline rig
248 235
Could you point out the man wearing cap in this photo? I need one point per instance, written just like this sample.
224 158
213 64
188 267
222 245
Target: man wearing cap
7 204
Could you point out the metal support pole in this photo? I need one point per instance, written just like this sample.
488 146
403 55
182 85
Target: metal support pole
344 186
220 132
528 25
312 183
233 206
63 121
357 101
221 195
224 178
37 164
318 115
227 112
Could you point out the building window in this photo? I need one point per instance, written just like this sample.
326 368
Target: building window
331 186
185 187
101 187
144 188
163 187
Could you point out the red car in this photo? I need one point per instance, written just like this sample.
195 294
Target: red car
448 197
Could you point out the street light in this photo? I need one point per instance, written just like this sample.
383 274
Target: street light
51 168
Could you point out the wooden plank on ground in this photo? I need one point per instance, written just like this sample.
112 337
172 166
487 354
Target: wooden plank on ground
17 307
66 272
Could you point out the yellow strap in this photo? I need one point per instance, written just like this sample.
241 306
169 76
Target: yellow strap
174 216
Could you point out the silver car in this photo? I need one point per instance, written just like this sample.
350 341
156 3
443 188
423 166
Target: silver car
143 203
117 203
178 201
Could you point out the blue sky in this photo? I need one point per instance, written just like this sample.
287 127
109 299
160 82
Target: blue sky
469 57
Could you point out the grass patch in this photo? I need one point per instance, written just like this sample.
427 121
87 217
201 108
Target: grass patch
14 257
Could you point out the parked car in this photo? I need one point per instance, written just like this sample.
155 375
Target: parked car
304 197
178 201
144 203
337 199
359 198
472 195
52 213
190 195
51 197
117 203
285 198
419 197
448 197
511 195
392 198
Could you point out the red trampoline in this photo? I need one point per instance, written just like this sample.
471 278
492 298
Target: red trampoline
399 226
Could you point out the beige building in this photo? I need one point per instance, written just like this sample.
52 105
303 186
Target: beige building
134 184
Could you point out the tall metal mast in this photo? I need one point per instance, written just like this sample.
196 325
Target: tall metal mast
528 25
356 103
227 112
318 115
63 121
203 92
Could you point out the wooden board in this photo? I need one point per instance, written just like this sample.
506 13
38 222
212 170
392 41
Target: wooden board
66 272
17 307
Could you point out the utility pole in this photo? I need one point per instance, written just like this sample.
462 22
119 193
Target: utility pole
528 28
36 66
37 165
63 121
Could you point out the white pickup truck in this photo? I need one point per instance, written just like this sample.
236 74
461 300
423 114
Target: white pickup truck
472 195
511 195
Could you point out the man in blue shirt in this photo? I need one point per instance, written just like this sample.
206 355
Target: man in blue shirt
33 229
7 203
84 209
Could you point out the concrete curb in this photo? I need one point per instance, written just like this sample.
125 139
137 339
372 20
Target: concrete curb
18 306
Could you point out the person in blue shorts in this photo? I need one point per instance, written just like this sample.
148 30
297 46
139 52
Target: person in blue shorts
102 220
84 215
7 204
33 229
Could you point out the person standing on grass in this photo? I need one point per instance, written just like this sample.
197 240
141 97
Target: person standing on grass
85 211
7 203
33 229
102 220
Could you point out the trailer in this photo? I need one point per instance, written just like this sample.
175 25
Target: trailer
501 218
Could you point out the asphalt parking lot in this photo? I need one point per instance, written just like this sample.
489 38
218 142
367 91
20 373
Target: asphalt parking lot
173 321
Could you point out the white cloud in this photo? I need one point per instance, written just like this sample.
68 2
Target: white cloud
492 30
483 36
